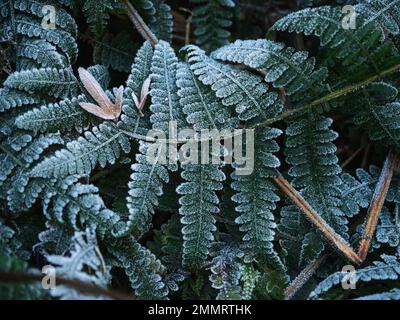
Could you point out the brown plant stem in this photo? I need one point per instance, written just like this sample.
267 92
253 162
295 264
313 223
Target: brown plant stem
139 24
303 277
83 287
392 161
317 220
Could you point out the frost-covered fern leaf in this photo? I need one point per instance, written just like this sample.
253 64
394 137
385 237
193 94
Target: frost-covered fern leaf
19 153
68 200
11 99
84 263
387 269
63 116
9 245
202 109
142 267
115 51
145 187
385 12
393 294
310 151
66 114
32 28
162 21
41 52
356 192
376 112
388 229
58 83
198 203
165 105
226 270
37 8
356 47
35 45
131 120
97 13
256 198
211 19
103 144
239 88
294 71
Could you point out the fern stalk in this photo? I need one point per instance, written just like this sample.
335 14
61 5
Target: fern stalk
317 220
303 277
139 24
382 187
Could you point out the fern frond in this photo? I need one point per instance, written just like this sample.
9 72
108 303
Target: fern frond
11 99
356 48
103 144
59 83
162 21
357 191
79 204
32 28
198 206
41 52
385 12
315 172
62 116
294 71
256 198
63 19
387 269
211 19
199 103
85 263
140 71
142 267
165 105
235 87
20 153
226 271
374 110
393 294
97 13
145 187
